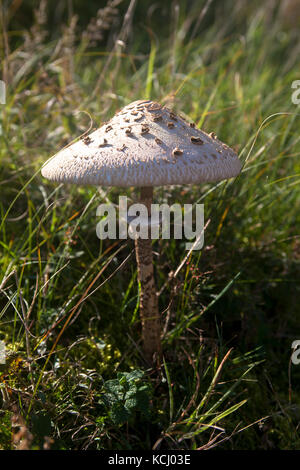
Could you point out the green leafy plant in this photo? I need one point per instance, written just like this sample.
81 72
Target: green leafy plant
126 395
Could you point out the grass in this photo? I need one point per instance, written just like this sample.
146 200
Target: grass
75 377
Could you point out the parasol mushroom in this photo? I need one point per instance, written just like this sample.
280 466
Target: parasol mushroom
145 145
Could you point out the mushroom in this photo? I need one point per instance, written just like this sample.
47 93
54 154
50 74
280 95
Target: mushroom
145 145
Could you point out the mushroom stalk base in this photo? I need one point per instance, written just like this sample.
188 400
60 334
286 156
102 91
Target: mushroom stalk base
150 318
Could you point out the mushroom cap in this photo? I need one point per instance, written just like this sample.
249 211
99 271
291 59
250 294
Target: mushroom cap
144 144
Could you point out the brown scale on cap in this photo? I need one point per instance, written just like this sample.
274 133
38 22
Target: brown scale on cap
145 130
103 144
212 135
196 140
170 125
121 149
153 106
108 128
128 131
158 141
157 118
87 140
176 152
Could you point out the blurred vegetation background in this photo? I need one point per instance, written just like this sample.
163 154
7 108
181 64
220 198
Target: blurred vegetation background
75 376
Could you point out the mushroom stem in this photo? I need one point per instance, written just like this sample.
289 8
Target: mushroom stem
150 318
